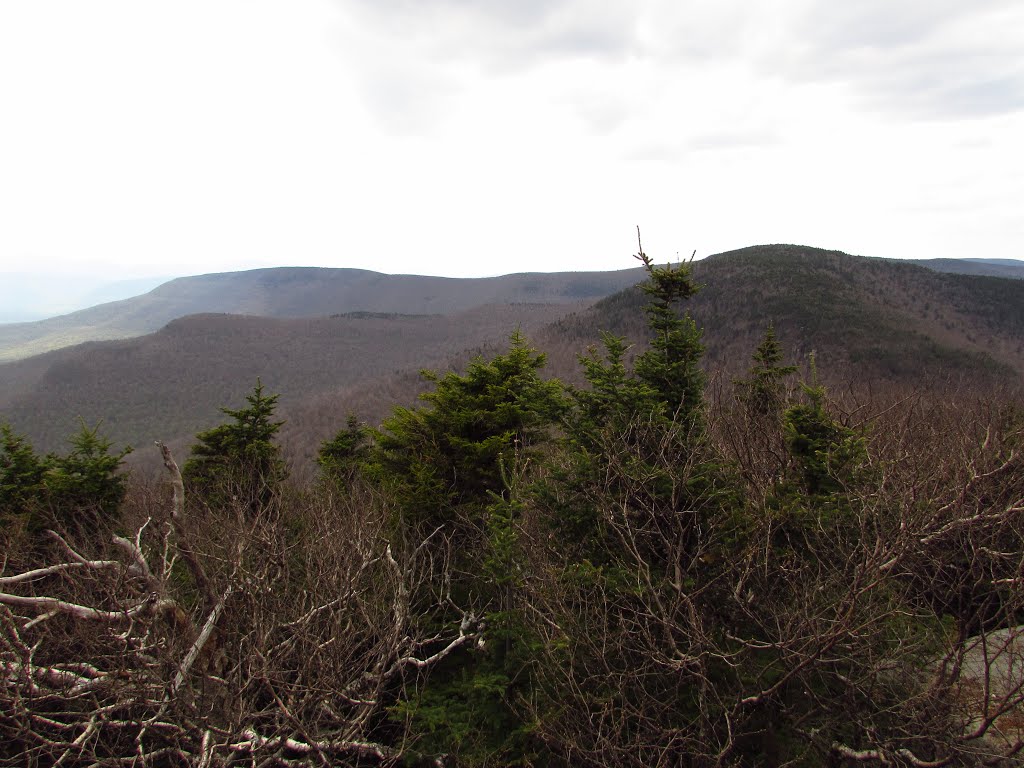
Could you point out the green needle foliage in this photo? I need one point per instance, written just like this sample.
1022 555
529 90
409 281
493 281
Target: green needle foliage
763 391
671 367
79 492
638 434
238 462
21 481
442 461
444 467
84 488
642 512
826 453
340 457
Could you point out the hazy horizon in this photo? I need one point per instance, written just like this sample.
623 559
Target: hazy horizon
468 139
26 297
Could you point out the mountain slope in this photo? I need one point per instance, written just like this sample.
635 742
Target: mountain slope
171 383
870 321
290 292
881 319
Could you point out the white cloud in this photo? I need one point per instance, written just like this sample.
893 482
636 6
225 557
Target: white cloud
938 59
458 137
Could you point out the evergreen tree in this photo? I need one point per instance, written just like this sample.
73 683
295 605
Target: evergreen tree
671 367
826 453
808 506
21 479
615 397
446 466
84 488
442 461
339 458
239 460
752 426
666 382
630 431
763 390
645 523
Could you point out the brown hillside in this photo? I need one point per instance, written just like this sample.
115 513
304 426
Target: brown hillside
289 292
869 319
171 383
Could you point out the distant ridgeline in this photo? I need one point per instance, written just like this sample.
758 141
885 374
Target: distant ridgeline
293 292
867 320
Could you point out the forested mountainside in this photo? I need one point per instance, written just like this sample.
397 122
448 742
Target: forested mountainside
170 384
292 292
665 565
885 320
871 321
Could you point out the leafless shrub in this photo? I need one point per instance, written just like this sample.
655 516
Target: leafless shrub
882 626
277 639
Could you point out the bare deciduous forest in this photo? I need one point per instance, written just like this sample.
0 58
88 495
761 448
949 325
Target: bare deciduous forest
651 559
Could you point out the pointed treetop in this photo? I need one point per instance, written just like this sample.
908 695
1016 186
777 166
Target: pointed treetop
667 284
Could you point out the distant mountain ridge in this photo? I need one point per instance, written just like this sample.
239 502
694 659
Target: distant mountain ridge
320 291
292 292
870 321
1012 268
877 322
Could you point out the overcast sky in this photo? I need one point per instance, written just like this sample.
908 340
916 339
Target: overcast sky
462 137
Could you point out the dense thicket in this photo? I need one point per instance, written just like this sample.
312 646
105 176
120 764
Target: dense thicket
637 571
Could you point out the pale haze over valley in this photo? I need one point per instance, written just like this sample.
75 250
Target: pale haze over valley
141 142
